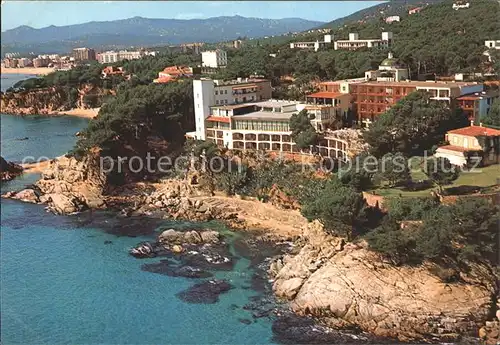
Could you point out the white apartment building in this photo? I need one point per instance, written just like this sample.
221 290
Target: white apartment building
492 44
327 40
208 93
458 6
264 126
214 58
115 56
392 19
354 42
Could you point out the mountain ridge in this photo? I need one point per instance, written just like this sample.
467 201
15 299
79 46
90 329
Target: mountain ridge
151 31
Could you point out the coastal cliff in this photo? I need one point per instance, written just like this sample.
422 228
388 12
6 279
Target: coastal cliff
348 285
341 284
51 100
39 101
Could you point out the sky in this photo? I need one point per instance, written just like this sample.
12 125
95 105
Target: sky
40 14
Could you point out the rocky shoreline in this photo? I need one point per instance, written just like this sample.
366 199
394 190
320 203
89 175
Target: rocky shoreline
345 284
321 278
9 170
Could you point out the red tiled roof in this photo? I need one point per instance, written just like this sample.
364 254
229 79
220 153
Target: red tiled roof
219 119
177 70
453 148
164 79
325 94
468 98
474 131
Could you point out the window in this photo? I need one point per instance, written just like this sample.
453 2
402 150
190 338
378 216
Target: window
225 92
225 101
216 92
217 102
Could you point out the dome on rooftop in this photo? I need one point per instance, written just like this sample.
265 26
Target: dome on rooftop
391 61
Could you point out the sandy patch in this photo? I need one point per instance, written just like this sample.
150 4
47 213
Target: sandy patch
28 70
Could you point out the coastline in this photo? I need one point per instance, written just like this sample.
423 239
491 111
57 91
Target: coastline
89 113
300 277
28 70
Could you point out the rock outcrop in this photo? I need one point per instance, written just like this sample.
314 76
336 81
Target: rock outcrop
181 201
38 101
176 242
9 170
46 101
67 186
348 285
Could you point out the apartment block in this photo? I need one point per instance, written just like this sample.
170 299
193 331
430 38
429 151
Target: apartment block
84 54
477 105
115 56
492 44
41 62
208 93
354 42
381 89
214 58
316 45
327 109
392 19
194 48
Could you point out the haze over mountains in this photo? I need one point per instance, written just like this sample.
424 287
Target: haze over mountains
140 31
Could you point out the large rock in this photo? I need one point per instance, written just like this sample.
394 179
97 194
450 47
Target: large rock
9 170
172 236
350 285
63 204
26 195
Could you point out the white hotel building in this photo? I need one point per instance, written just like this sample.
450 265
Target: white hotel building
214 58
240 115
354 42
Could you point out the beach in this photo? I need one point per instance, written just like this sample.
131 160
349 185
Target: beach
89 113
28 70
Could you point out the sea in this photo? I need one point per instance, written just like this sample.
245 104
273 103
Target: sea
70 279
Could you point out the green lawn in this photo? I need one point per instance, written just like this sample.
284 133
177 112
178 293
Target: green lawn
482 177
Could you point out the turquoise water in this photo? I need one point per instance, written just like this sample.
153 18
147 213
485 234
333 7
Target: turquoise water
8 80
61 283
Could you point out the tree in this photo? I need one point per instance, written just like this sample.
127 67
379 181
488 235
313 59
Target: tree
338 207
404 208
392 242
465 231
413 125
440 171
394 169
493 116
303 133
359 173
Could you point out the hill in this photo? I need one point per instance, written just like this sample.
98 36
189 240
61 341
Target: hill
437 40
140 31
384 10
